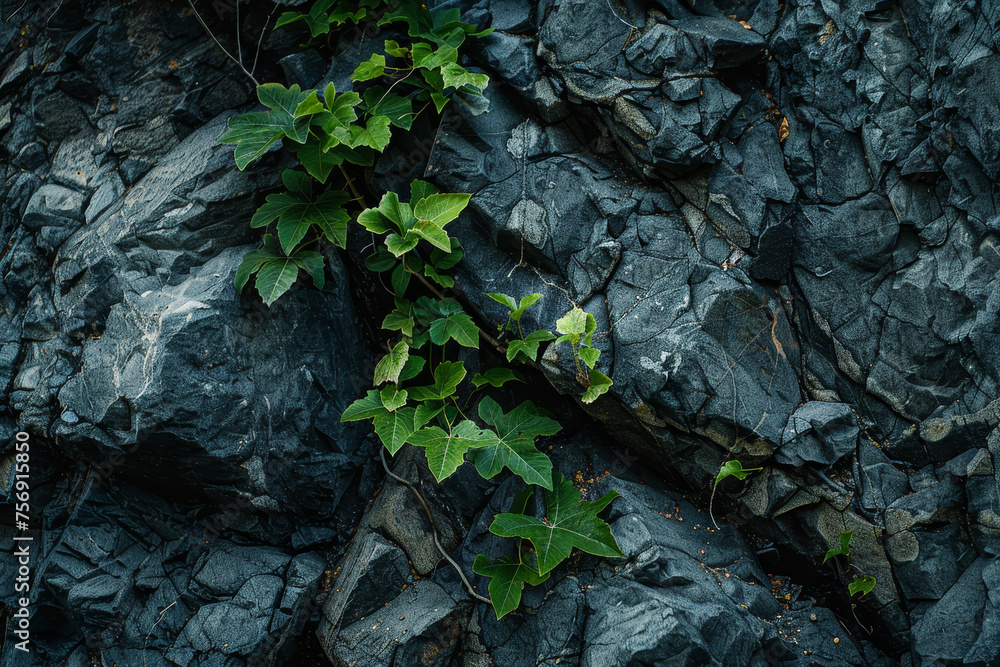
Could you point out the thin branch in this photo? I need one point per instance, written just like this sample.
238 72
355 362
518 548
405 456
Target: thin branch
239 45
219 44
260 39
472 591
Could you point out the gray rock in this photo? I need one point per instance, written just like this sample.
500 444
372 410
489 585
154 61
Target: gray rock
818 433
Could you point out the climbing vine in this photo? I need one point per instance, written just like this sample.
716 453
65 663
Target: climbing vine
421 396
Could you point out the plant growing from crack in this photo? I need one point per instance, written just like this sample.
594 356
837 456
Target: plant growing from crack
731 468
421 396
844 549
863 584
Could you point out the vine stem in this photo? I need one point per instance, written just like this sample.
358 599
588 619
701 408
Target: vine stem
354 190
468 586
219 44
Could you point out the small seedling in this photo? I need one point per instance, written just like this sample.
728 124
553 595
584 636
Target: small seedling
577 328
731 468
515 309
845 547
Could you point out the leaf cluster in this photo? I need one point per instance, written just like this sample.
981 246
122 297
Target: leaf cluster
577 328
325 15
427 405
429 62
422 394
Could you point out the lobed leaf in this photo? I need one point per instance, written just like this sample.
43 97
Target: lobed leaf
445 450
570 522
508 575
514 448
529 346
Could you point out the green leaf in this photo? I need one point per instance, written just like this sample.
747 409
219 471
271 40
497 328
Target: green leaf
372 220
275 277
381 260
391 365
439 100
504 300
254 133
316 160
526 302
863 585
570 523
398 109
496 377
252 262
297 215
291 102
508 575
733 468
514 448
372 68
427 411
441 208
456 76
414 365
312 263
447 321
589 330
275 271
394 49
599 384
341 106
393 428
458 327
447 376
376 134
426 56
442 280
421 190
529 346
392 397
442 261
400 281
364 408
845 546
590 355
391 215
400 245
446 451
360 155
433 234
572 323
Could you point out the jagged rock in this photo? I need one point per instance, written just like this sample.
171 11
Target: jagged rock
783 217
819 433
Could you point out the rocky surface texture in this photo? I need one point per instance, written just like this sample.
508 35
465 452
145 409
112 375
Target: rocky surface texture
783 216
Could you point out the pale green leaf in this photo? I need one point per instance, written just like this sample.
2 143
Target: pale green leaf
390 366
441 208
446 451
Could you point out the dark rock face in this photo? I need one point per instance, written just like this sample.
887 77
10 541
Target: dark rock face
191 456
782 215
